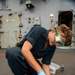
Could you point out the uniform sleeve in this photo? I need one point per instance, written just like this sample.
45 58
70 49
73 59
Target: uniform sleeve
47 58
34 34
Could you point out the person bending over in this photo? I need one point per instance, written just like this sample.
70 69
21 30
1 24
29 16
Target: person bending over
37 43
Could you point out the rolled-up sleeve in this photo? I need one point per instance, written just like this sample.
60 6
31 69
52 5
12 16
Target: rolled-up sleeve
31 40
34 35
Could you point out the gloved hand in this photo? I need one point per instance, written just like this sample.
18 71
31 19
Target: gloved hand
41 73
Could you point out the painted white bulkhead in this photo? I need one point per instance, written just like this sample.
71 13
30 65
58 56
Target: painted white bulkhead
41 10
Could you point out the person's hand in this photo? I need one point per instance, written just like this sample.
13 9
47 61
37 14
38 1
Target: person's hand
41 73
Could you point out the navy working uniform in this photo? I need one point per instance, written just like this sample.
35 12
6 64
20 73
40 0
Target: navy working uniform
37 36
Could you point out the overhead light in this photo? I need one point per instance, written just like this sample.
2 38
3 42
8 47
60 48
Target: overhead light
29 4
51 15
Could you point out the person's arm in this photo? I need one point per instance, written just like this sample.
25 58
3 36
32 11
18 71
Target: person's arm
29 57
46 69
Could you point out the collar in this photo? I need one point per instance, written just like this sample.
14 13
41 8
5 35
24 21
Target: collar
45 34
